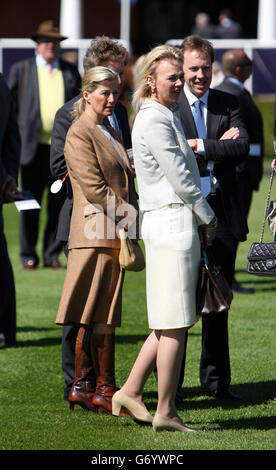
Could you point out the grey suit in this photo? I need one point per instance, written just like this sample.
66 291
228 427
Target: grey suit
9 162
35 169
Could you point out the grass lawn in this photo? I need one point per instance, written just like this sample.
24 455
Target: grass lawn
33 415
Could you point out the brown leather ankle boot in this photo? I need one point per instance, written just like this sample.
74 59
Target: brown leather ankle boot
83 388
103 352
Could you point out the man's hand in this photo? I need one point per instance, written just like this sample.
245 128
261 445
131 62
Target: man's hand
231 133
273 164
9 191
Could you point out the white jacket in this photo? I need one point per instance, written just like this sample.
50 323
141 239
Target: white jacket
165 165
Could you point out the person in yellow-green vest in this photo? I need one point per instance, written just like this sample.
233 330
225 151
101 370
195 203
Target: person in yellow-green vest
40 86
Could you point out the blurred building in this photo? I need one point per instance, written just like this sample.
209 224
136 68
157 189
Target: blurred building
152 21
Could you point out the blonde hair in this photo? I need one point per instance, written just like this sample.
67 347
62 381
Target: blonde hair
90 81
151 60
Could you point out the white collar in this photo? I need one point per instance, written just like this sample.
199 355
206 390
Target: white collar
192 98
151 103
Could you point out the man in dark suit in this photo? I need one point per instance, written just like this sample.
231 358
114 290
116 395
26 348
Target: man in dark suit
219 139
237 68
9 163
108 53
227 27
39 86
203 27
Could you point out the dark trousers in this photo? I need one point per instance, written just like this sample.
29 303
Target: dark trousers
36 176
246 192
68 344
215 370
7 291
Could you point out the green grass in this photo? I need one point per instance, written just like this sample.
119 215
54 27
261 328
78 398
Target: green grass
33 415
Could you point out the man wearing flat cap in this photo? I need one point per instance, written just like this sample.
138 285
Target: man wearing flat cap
40 86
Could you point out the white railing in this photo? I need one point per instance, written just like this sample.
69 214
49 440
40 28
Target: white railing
263 54
80 45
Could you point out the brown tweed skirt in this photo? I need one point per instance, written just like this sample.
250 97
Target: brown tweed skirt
92 291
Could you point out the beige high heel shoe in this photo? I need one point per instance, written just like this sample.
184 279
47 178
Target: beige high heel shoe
138 411
163 423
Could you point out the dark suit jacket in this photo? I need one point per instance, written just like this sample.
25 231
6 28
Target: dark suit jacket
9 163
62 123
252 167
234 30
23 83
223 113
9 135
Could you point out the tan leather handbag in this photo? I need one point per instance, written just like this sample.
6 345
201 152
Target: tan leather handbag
131 255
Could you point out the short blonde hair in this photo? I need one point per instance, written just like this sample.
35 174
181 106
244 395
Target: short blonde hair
151 60
90 81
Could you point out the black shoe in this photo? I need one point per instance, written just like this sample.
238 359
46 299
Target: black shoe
238 289
224 394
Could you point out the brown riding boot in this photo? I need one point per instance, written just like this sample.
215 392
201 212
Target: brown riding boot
83 388
103 353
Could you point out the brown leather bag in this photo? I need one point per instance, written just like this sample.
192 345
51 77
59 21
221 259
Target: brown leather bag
214 295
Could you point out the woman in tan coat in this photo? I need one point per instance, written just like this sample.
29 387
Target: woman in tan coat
104 200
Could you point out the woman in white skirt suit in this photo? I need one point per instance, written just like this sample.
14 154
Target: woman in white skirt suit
173 208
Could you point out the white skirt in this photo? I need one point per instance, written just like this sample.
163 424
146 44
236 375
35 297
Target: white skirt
172 247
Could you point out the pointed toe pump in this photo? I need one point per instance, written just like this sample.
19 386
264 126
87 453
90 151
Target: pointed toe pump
138 411
162 423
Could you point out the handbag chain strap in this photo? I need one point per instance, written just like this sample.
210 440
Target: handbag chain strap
267 204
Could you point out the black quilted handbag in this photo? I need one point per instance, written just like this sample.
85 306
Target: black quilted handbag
262 256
